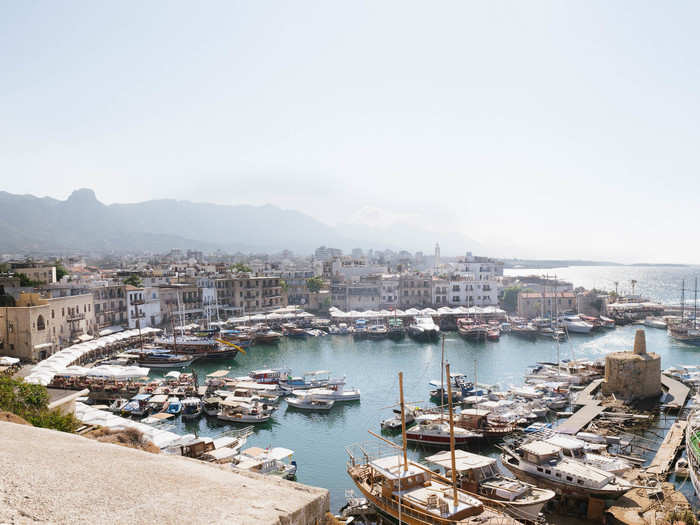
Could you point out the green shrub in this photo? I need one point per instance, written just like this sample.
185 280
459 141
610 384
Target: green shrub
31 402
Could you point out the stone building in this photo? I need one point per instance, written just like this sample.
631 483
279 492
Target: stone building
38 327
415 290
531 304
110 305
40 274
633 375
247 293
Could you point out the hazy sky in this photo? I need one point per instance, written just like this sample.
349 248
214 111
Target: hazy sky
550 129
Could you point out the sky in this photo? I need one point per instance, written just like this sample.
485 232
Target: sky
540 129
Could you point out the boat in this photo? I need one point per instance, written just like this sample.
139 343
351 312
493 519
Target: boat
393 423
174 406
424 329
158 403
164 360
525 331
655 322
310 402
396 329
360 330
238 412
315 379
692 446
117 405
575 448
410 493
137 406
191 408
575 325
211 405
267 337
476 420
343 329
493 334
269 376
480 475
292 330
339 393
471 330
275 461
681 469
377 331
544 465
437 433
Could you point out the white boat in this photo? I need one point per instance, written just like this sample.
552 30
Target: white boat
437 433
655 322
243 412
191 408
332 394
572 447
211 405
692 447
276 461
424 329
117 405
576 325
480 475
544 465
309 402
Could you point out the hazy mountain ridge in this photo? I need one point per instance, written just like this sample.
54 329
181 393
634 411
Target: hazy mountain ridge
83 223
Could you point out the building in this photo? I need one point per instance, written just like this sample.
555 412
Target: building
110 305
415 290
297 288
482 268
389 291
38 327
531 305
364 294
325 254
463 290
40 274
633 375
350 269
245 293
143 307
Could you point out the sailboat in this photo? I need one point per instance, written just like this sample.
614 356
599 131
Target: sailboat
686 331
406 491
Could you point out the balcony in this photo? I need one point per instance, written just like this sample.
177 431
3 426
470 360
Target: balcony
138 315
137 302
75 317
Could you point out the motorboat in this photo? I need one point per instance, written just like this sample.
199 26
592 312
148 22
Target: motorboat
424 329
393 423
360 329
137 406
117 405
480 475
211 405
471 330
275 461
525 331
315 379
339 394
158 403
544 465
269 376
309 402
377 331
575 325
191 408
174 406
436 432
292 330
238 412
575 448
396 329
267 337
164 360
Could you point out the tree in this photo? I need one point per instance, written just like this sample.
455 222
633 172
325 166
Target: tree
26 281
134 280
31 402
314 284
60 270
284 285
241 268
6 300
510 298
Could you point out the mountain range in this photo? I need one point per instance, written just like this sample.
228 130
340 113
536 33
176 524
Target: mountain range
81 223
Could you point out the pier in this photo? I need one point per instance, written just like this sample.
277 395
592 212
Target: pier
677 390
581 418
668 450
585 397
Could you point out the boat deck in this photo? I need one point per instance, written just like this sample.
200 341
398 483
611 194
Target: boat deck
677 390
669 449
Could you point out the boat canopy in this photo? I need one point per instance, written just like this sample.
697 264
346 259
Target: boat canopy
464 460
392 467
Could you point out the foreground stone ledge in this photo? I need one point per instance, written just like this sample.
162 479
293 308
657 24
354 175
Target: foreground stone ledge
49 476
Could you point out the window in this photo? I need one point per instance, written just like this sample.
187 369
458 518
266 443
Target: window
580 481
455 298
539 469
557 474
569 478
53 314
547 471
40 323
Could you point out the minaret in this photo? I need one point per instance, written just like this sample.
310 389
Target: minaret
437 256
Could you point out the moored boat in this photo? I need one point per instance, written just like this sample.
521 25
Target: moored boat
424 329
437 433
310 402
191 408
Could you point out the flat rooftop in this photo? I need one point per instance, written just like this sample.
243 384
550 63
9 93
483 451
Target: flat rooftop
49 476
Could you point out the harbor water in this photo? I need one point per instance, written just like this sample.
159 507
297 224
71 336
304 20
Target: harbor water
318 439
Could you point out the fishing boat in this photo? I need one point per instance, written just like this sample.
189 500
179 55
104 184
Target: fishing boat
275 461
339 393
267 337
163 359
158 403
544 465
471 330
315 379
174 406
292 330
211 405
525 331
137 406
238 412
575 448
269 376
377 331
692 447
191 408
437 433
396 329
480 475
409 493
424 329
476 420
360 330
310 402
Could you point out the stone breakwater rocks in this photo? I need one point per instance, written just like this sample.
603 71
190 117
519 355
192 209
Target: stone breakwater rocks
48 476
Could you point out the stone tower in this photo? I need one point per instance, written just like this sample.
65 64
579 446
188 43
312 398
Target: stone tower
633 375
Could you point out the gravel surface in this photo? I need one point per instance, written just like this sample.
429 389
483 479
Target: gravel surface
48 476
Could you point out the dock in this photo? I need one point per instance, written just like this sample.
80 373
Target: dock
581 418
677 390
668 450
585 397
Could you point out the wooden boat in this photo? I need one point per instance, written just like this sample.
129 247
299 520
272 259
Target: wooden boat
211 405
480 475
243 412
476 420
191 408
437 433
164 360
471 330
409 493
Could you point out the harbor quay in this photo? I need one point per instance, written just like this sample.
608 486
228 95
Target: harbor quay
514 412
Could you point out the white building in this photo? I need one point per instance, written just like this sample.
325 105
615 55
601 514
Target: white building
210 305
390 291
350 269
143 306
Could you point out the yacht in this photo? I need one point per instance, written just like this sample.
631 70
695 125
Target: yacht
436 432
575 325
424 329
544 464
164 359
480 475
655 322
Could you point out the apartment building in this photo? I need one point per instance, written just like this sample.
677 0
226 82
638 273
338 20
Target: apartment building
110 304
389 291
243 294
38 327
40 274
364 294
297 289
143 307
415 290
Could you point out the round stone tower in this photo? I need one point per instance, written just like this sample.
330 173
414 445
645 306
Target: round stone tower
633 375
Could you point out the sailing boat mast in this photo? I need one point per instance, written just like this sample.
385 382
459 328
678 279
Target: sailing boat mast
683 301
403 427
442 380
452 440
695 307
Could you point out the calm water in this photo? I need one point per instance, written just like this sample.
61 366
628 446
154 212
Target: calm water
318 439
659 283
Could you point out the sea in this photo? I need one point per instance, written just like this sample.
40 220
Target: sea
658 283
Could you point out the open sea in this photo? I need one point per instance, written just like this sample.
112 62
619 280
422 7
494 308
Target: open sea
658 283
319 439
